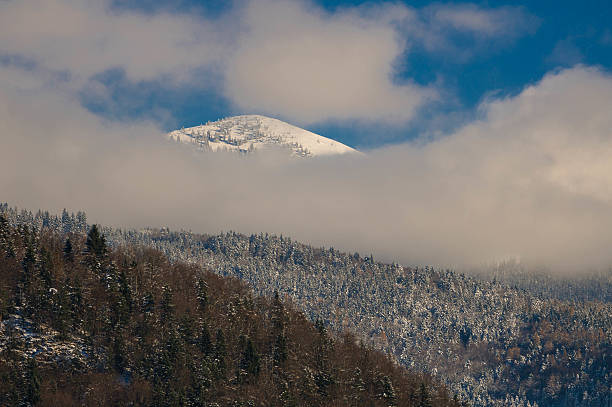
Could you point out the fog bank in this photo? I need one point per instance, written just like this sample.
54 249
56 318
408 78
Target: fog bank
531 179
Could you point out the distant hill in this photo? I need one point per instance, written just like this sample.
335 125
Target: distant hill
249 133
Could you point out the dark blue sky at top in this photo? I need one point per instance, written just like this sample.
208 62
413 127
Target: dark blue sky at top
569 33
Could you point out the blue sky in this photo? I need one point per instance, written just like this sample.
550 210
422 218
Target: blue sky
558 34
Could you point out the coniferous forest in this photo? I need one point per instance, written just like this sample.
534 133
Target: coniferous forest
87 324
517 340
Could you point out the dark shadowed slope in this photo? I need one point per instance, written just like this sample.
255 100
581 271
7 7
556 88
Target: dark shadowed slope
83 324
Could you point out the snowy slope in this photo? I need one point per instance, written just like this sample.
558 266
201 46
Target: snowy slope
252 132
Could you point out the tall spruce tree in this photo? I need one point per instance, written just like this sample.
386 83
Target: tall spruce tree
250 360
68 251
424 397
96 244
279 354
204 341
32 382
220 355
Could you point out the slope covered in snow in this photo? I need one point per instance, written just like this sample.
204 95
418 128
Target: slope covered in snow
253 132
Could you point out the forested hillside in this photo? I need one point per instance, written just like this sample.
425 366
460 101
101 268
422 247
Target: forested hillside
82 324
493 344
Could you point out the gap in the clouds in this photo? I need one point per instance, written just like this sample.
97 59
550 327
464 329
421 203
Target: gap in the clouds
25 64
18 61
113 96
432 122
365 136
470 68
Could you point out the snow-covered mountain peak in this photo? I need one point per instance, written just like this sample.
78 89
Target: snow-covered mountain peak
248 133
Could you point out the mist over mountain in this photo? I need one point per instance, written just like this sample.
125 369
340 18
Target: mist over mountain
507 186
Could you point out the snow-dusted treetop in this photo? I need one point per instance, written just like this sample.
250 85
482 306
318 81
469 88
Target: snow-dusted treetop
252 132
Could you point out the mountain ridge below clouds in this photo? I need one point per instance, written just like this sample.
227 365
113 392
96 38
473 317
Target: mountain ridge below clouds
248 133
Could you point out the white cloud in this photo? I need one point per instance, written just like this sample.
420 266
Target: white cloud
562 124
461 31
88 37
531 178
503 21
306 65
565 53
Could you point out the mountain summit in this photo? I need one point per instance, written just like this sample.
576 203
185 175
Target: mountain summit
248 133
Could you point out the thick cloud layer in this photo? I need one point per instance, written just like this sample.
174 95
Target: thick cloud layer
531 178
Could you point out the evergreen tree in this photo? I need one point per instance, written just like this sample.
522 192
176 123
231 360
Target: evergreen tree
81 222
76 302
279 354
424 398
166 305
32 382
280 350
29 260
125 302
323 349
250 359
220 355
278 311
26 285
186 328
119 359
46 264
358 388
67 221
62 312
204 342
202 295
386 390
68 251
4 233
96 243
464 335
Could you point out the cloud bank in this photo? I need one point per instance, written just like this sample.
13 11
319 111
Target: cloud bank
531 179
